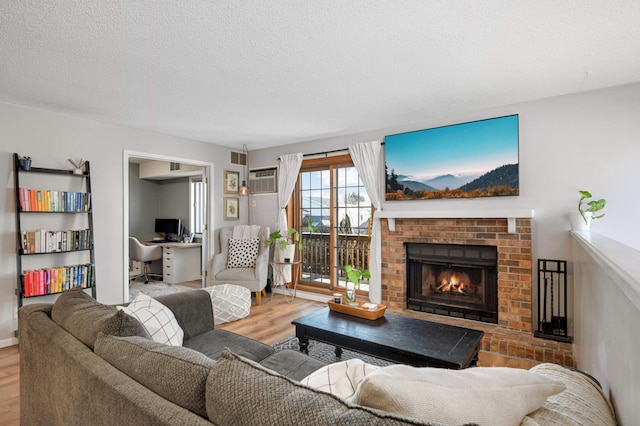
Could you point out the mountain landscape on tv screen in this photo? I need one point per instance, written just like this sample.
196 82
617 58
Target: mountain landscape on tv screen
466 160
501 181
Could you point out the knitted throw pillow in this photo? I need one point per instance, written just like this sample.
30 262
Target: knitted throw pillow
242 253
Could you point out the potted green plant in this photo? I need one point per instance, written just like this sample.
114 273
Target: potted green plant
353 279
588 210
285 244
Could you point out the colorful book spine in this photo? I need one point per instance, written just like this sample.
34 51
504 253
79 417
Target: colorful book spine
41 200
56 280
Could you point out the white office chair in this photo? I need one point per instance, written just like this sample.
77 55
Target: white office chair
145 255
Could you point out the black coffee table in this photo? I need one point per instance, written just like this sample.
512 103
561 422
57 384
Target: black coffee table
393 337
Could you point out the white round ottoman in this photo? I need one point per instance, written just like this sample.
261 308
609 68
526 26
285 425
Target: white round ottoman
230 302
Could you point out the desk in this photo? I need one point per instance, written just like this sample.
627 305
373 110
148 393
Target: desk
180 261
279 277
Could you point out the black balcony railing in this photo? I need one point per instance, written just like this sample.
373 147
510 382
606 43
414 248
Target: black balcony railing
352 249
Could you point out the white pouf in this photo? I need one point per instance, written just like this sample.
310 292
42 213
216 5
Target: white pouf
230 302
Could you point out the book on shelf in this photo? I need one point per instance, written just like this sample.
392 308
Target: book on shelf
43 241
41 200
43 281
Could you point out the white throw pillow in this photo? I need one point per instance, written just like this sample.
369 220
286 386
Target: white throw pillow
482 395
156 318
242 253
339 378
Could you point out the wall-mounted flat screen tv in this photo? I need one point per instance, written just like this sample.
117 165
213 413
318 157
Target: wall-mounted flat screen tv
467 160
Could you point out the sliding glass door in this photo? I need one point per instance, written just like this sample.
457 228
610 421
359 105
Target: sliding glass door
333 212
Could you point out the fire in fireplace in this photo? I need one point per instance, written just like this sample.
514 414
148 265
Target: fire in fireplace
453 280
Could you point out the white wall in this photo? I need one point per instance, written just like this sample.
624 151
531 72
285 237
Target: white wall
607 336
143 205
587 141
50 138
174 200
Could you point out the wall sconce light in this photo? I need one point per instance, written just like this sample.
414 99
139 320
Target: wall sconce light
244 189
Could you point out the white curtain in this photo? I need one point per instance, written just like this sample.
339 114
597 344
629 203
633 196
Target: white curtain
288 170
368 159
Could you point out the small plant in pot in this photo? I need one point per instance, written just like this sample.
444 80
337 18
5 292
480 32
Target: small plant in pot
285 244
353 279
593 206
588 208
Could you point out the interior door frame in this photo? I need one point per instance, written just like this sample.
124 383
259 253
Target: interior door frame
207 235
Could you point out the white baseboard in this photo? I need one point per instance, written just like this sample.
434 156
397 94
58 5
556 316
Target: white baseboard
8 342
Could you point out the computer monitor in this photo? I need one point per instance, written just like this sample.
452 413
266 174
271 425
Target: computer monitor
168 226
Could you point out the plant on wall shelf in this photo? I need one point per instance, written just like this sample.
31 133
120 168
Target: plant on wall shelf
277 238
592 207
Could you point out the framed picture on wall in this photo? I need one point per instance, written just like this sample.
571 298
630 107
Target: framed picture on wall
231 208
231 182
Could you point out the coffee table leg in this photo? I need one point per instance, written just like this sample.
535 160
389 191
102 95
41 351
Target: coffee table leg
304 344
338 352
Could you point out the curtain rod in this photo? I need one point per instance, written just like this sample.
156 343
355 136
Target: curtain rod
323 153
327 152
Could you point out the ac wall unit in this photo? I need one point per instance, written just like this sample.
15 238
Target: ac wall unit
263 181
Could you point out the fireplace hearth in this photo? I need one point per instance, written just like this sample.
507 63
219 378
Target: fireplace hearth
453 280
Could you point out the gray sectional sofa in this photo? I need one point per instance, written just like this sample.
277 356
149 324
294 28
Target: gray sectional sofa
85 363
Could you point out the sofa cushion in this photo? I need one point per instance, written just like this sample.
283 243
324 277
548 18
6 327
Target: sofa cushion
292 364
237 274
242 392
81 315
482 395
582 403
213 342
175 373
156 318
123 325
242 253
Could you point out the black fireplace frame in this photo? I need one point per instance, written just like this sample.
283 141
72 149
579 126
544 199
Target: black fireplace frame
454 255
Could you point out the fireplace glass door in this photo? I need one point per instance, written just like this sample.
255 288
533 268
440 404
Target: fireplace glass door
453 280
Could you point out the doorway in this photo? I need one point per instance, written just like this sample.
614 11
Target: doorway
206 171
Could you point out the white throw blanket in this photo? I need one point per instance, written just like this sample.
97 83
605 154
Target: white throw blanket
245 232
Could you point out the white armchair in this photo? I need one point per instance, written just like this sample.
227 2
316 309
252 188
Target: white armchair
255 279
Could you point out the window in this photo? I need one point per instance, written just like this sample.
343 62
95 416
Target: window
197 196
333 212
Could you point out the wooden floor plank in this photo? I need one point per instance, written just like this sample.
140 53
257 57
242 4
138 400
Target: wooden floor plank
9 386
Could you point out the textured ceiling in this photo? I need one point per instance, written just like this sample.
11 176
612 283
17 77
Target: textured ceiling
272 72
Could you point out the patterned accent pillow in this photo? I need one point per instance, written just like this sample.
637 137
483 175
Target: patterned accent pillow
340 378
242 253
156 318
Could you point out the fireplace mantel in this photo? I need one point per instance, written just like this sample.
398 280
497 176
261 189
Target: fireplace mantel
509 214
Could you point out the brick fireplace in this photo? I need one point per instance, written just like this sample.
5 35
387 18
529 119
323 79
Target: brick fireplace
512 336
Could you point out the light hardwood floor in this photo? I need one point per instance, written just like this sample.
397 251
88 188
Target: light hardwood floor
269 323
